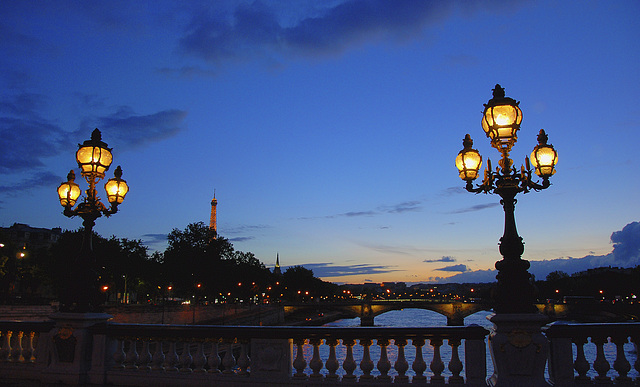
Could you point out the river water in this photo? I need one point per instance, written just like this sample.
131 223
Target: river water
426 318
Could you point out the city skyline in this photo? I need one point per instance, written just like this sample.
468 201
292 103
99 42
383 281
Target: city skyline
329 130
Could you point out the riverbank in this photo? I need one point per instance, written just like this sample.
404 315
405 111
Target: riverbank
218 314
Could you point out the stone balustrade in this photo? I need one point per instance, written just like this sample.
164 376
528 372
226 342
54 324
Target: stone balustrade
140 355
290 355
568 365
90 350
23 349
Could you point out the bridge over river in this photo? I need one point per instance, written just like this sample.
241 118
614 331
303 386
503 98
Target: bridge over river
455 312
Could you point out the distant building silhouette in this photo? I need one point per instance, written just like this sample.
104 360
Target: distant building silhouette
24 236
213 221
276 270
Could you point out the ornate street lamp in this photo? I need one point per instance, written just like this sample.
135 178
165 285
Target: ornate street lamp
501 121
94 159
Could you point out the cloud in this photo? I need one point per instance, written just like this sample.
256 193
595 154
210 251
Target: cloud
330 28
475 276
245 228
626 244
399 208
359 213
241 231
22 127
155 242
402 207
241 239
626 253
388 249
461 268
453 191
324 270
40 179
154 238
133 131
23 104
477 207
443 259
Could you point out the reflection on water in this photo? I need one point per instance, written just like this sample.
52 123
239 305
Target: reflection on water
425 318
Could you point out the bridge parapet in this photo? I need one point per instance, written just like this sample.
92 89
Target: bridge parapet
150 355
455 312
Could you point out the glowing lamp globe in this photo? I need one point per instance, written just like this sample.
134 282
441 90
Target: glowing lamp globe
116 187
69 191
501 120
93 156
468 160
544 158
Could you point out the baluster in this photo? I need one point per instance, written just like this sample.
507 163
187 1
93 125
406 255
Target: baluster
244 361
185 358
384 365
6 346
621 364
455 365
401 365
437 366
636 365
16 350
172 358
332 364
419 365
316 362
145 357
119 355
349 365
157 360
366 364
299 363
601 365
581 365
131 357
28 352
214 359
229 361
199 360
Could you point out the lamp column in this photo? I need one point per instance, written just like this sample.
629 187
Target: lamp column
515 292
518 347
77 356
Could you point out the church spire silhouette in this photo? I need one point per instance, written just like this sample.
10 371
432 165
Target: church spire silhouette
276 270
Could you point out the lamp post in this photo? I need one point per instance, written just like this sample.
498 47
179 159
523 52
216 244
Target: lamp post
94 158
501 121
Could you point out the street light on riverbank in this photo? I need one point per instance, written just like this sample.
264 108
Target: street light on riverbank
501 121
94 159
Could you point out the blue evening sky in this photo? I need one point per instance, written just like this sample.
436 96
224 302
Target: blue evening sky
328 129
